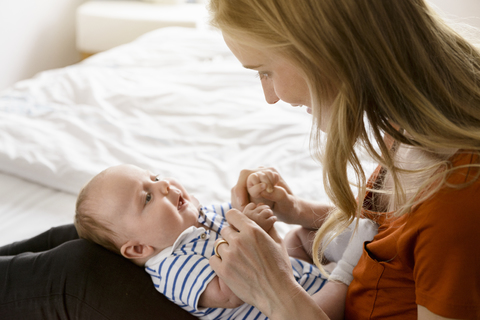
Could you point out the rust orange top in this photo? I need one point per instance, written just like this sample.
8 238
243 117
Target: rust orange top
429 257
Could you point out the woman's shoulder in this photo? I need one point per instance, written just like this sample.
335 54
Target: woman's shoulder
465 169
457 203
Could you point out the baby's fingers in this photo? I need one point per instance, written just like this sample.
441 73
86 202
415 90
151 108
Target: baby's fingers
255 185
273 178
277 194
264 212
256 190
249 207
267 178
252 210
264 217
262 179
253 179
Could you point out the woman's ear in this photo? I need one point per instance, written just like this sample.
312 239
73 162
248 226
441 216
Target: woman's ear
135 250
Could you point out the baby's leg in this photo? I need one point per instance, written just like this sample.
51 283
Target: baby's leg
299 243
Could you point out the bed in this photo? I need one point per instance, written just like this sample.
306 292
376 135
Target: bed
174 101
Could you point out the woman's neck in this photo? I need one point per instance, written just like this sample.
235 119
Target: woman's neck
420 166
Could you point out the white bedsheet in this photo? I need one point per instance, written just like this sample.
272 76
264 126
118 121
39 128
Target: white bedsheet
174 101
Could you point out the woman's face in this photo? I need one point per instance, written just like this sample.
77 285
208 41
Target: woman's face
280 79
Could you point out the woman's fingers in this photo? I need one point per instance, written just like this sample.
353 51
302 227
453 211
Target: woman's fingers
237 219
269 176
252 262
217 246
239 193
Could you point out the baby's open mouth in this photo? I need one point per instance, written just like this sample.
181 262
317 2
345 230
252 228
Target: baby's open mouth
181 202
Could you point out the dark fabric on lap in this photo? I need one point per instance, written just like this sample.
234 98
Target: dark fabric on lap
42 242
76 280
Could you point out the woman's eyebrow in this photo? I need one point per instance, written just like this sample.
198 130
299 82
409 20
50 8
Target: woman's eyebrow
253 67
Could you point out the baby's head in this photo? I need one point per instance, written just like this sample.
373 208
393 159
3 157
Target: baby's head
130 211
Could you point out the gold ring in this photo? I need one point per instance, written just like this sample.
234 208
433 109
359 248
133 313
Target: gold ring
218 244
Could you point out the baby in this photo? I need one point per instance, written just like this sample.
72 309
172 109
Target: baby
157 224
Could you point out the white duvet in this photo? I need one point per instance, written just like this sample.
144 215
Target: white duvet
175 101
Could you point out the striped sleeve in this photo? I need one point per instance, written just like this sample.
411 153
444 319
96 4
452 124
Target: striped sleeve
182 279
307 275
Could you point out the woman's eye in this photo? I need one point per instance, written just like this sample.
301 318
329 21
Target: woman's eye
148 198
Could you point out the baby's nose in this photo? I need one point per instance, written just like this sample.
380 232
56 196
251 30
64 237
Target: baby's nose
164 186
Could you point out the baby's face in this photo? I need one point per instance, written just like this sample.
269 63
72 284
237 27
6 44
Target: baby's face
144 208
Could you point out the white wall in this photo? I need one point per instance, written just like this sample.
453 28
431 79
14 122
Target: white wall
36 35
464 11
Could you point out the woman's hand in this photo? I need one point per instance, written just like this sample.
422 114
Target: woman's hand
265 185
286 207
254 265
260 181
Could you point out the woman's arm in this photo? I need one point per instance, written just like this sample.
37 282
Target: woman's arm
331 299
425 314
309 214
286 206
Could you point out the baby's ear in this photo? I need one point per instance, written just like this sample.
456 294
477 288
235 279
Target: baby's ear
135 250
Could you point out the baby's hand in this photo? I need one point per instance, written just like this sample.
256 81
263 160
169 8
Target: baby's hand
262 181
261 214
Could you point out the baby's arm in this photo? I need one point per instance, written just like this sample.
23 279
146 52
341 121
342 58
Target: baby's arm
218 295
299 241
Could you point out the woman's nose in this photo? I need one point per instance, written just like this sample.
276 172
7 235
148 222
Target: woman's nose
269 92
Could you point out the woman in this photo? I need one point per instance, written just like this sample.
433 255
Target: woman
371 72
366 70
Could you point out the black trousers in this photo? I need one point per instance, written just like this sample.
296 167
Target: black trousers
55 275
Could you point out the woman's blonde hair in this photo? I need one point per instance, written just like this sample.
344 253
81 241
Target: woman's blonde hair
382 65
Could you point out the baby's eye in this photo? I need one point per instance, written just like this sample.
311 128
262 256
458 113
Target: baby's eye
148 198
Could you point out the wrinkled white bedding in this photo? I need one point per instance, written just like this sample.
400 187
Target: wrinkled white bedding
175 101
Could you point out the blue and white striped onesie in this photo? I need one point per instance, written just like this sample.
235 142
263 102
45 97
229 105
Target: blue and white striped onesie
182 272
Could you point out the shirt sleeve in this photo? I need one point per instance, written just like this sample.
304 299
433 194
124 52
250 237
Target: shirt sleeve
182 279
447 254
